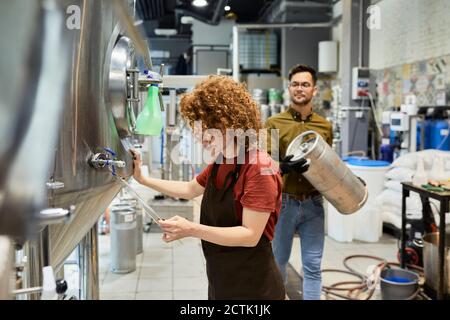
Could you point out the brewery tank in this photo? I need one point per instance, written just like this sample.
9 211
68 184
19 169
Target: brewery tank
94 120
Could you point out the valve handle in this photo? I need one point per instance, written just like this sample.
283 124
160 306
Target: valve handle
110 151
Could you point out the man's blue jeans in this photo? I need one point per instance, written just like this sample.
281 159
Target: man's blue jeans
306 218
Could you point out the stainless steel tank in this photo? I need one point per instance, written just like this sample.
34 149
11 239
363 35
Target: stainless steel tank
328 173
68 86
99 97
34 69
6 255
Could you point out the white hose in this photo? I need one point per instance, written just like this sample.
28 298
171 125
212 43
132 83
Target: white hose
375 117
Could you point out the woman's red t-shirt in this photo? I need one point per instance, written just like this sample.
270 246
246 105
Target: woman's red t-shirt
258 187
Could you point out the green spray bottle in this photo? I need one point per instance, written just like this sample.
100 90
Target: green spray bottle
149 122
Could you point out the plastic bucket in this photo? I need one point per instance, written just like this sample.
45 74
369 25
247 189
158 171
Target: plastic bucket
398 284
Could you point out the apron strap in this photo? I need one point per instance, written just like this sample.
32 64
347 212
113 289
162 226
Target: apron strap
234 175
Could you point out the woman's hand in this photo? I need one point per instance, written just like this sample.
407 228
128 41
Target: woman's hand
176 228
137 164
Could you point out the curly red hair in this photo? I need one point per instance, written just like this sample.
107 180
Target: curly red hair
221 103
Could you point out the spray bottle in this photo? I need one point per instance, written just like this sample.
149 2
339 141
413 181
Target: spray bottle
149 121
438 170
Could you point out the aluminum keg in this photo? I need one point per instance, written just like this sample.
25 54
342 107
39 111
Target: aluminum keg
134 204
123 239
260 96
265 112
328 173
186 169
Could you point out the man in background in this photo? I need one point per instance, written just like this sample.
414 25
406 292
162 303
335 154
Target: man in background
302 210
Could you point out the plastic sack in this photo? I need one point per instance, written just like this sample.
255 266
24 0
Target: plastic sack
400 174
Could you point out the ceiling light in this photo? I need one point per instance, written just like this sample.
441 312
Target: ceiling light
227 8
165 32
200 3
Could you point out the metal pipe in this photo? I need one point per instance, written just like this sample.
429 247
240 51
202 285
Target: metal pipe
236 54
37 253
172 111
286 5
145 82
88 263
285 25
149 210
215 18
306 4
360 34
27 291
219 10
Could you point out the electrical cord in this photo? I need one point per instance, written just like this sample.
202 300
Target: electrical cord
356 128
377 124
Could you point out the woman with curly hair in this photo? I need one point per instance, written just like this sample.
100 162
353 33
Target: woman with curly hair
241 195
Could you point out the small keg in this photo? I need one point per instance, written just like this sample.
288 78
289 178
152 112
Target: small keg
328 173
260 96
123 239
265 112
134 204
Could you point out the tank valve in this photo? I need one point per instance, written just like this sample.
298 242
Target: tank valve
101 160
106 160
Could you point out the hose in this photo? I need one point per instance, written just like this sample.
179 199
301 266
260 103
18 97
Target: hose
334 287
366 284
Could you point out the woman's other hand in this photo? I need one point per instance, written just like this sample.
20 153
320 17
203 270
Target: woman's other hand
176 228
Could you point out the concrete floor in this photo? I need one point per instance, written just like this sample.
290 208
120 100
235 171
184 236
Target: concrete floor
163 272
177 271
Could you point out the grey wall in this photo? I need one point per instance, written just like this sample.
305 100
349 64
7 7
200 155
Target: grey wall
301 46
176 47
205 34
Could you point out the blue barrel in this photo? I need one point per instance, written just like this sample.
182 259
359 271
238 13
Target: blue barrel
418 135
387 153
439 130
428 124
393 137
365 162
